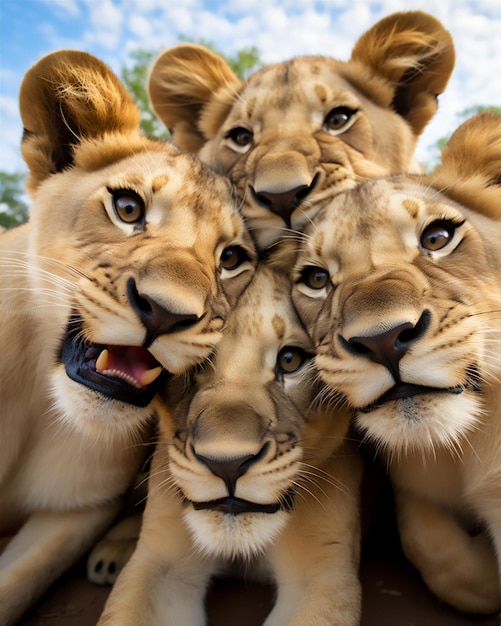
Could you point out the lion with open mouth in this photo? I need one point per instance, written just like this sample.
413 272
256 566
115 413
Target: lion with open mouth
124 276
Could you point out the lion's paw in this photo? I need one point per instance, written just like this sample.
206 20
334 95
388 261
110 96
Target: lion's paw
110 555
107 559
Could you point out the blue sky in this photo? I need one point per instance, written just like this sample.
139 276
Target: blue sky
111 29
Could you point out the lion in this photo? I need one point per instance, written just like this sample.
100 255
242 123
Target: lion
249 469
403 303
123 277
295 132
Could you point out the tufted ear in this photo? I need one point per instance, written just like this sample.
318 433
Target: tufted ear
415 54
471 165
184 81
65 98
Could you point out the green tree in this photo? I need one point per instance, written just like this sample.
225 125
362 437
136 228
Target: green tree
470 111
135 78
13 208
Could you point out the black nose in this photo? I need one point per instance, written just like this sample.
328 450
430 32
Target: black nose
230 470
389 347
157 319
284 203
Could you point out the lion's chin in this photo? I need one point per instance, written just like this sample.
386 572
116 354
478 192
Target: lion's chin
225 535
421 422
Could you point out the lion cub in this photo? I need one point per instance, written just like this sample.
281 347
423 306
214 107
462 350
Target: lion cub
295 132
404 305
249 469
124 275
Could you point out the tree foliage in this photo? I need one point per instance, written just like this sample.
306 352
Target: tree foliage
13 207
470 111
135 78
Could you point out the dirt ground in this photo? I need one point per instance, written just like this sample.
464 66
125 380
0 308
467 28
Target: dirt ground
393 595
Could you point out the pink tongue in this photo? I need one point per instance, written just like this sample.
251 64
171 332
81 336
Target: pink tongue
131 360
134 365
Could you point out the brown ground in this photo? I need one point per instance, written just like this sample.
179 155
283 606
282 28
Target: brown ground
393 595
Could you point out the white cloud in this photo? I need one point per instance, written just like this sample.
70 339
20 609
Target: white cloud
12 131
106 21
140 26
69 7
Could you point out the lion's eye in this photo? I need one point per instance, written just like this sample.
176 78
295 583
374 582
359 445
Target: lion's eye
314 277
232 257
290 359
338 119
437 235
128 207
242 137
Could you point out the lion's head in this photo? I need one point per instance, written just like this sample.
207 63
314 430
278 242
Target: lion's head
400 284
134 252
295 132
246 440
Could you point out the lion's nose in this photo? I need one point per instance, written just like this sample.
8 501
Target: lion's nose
389 347
230 469
155 317
283 203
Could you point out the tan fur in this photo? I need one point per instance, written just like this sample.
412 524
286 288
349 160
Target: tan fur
79 278
404 303
292 160
248 428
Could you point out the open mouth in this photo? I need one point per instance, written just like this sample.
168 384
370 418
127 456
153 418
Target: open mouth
126 373
236 506
403 391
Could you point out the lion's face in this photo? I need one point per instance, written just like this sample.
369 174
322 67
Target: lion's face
401 287
148 262
135 252
287 149
296 132
245 439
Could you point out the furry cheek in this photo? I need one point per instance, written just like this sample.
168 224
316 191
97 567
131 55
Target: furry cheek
85 410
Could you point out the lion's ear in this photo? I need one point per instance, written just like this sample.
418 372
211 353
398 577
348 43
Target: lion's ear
415 54
184 81
471 165
65 98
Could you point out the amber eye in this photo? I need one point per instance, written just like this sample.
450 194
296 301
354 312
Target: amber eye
314 277
242 137
290 359
437 235
128 206
338 118
232 257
